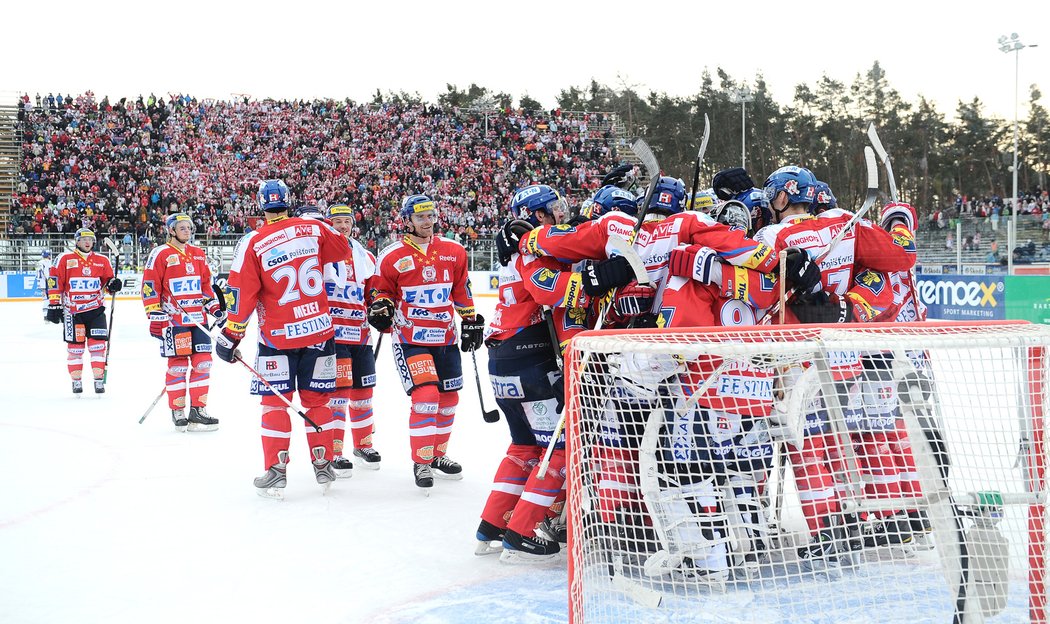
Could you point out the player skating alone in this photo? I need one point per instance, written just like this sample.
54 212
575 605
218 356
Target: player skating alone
421 285
43 271
176 293
75 299
277 270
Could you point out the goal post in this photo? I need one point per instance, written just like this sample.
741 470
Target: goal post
848 473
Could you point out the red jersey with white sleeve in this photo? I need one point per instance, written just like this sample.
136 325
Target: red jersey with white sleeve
526 285
428 286
77 280
177 283
277 270
654 243
348 283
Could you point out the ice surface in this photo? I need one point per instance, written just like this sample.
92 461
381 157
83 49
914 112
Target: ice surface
106 520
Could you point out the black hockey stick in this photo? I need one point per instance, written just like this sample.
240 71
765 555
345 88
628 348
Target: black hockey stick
699 159
490 416
237 357
379 343
109 337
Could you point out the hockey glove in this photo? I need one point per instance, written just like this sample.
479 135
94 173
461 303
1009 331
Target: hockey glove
507 239
633 300
114 285
54 313
802 274
470 333
217 310
226 346
622 176
728 183
695 262
219 288
599 277
819 308
158 321
381 314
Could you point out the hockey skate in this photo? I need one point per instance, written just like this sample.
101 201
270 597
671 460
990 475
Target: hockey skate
342 467
445 468
490 539
78 386
200 421
821 556
178 416
273 482
369 457
100 386
554 531
323 471
530 550
892 531
424 477
921 530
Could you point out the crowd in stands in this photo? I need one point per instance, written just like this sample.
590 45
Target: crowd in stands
983 223
121 166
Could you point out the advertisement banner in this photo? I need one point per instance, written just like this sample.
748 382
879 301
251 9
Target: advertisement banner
963 297
1029 298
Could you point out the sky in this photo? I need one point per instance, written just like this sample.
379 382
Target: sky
325 48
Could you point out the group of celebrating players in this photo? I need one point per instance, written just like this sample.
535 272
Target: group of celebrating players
716 258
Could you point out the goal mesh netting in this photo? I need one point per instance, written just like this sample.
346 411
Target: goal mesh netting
862 473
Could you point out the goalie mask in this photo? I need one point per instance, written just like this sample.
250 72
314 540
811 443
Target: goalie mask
734 214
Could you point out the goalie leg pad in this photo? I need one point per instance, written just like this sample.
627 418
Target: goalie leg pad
690 525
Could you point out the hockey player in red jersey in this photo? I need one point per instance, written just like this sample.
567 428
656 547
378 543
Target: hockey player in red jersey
348 284
277 271
177 292
75 299
420 286
526 376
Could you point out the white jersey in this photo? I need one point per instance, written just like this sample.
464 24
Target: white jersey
43 270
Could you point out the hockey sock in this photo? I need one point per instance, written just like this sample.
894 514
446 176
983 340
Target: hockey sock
360 416
422 423
97 348
900 446
175 381
200 373
338 404
276 431
877 462
538 496
74 355
316 404
617 480
509 483
447 402
816 486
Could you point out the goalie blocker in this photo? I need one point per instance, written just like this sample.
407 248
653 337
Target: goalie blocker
976 395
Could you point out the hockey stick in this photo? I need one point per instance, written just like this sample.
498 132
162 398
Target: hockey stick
237 357
873 136
700 158
379 343
149 409
490 416
109 337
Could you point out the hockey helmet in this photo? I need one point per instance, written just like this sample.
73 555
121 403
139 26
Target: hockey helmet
416 204
609 198
669 196
529 200
798 182
340 210
273 196
703 201
823 198
45 253
309 212
734 214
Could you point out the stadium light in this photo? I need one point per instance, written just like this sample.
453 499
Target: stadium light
1007 45
742 96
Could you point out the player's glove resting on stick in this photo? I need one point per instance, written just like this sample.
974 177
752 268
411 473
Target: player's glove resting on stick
599 277
226 345
818 307
114 285
801 273
507 239
728 183
54 313
216 309
158 321
470 333
381 314
695 262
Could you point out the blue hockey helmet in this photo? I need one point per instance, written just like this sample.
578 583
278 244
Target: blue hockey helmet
45 253
309 212
703 201
416 204
273 196
83 233
340 210
172 219
823 198
669 196
798 182
609 198
534 198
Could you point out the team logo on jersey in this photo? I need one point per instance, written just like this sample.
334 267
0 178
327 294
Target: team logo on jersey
148 289
545 279
430 274
872 281
86 270
404 265
173 260
189 268
560 230
71 263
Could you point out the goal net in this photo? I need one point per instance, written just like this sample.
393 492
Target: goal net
861 473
